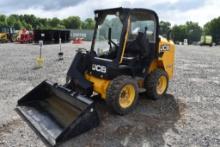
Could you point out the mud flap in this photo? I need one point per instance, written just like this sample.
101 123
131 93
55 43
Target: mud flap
56 113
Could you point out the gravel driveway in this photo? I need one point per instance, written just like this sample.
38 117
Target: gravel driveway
189 115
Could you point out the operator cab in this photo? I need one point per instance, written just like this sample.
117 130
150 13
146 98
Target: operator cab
9 30
141 38
124 40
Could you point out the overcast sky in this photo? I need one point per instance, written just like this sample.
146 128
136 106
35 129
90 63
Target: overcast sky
175 11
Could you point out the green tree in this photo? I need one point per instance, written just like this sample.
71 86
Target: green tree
42 23
164 28
54 22
28 27
60 26
179 33
194 31
191 31
213 28
11 20
30 20
18 25
2 20
89 23
72 22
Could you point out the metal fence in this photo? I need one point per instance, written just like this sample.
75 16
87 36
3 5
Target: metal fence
78 33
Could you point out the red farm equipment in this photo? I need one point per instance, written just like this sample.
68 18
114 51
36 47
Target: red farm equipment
25 36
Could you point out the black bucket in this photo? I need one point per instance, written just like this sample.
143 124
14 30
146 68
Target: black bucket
57 113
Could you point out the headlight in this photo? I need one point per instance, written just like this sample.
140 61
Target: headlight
164 48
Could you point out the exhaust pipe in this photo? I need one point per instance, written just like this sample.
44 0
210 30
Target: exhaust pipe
57 113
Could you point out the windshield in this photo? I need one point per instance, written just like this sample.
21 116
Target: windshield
4 29
141 22
108 35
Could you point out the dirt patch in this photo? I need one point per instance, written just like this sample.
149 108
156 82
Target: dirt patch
7 128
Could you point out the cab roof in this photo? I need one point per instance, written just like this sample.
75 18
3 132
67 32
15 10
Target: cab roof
126 10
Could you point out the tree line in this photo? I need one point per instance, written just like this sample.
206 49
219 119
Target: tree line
31 22
190 30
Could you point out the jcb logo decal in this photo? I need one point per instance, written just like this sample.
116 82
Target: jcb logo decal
99 68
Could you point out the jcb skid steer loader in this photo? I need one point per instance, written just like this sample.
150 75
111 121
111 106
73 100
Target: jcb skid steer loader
127 57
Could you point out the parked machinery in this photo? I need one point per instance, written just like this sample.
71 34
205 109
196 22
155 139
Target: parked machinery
127 57
7 34
25 36
206 40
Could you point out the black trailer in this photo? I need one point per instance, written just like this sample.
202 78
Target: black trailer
51 36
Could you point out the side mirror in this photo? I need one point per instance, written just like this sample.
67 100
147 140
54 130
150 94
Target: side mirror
169 35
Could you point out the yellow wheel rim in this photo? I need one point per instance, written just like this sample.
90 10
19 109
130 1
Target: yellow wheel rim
161 85
127 96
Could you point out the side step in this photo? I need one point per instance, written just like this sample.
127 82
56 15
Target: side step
56 113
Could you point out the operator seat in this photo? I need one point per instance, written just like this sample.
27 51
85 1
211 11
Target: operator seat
137 53
137 49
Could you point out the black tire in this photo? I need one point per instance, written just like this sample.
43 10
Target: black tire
114 93
151 83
